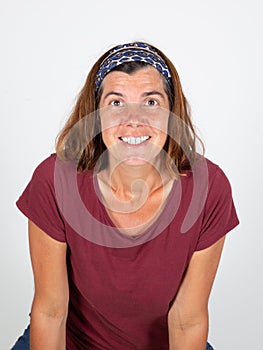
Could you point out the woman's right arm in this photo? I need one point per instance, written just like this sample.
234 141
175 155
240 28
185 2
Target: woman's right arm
50 303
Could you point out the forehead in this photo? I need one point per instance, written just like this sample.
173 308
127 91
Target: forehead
147 77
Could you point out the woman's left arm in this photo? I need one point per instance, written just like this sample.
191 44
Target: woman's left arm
188 316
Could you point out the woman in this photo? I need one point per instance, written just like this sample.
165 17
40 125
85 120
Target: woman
126 221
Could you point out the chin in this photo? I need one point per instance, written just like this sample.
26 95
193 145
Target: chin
135 162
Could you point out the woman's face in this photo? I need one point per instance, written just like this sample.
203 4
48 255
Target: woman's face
134 112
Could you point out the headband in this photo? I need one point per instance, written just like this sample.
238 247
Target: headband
132 52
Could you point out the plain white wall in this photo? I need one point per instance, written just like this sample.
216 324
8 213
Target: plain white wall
47 49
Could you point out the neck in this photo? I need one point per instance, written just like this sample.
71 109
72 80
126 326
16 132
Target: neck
124 180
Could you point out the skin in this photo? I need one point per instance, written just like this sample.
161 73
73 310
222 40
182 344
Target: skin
188 316
132 106
50 303
145 105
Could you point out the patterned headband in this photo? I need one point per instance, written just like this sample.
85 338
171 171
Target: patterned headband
129 53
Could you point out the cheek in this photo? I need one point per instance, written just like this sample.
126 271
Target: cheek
108 121
105 136
161 126
161 132
108 137
105 130
162 140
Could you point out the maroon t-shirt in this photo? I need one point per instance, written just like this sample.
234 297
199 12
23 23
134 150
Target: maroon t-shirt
121 287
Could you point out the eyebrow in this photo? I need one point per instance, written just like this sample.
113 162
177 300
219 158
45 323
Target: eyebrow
112 93
145 94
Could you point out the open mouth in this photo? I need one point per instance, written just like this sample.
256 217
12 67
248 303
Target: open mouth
134 140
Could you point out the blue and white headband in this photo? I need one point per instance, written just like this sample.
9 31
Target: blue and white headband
129 53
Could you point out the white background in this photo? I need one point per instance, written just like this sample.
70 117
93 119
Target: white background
47 49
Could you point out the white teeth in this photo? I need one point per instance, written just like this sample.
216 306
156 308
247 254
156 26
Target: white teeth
135 140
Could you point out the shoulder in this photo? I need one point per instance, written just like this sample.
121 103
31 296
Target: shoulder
53 166
47 164
213 183
38 201
217 176
208 182
45 169
58 173
210 170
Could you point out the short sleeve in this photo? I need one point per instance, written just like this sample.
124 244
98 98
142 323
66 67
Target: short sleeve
219 215
38 201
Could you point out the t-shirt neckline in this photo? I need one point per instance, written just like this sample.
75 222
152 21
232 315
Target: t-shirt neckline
150 228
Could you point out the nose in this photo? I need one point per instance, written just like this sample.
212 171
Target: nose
134 115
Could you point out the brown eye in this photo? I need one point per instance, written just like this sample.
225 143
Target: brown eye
151 103
116 103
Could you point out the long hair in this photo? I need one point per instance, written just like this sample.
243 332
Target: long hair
81 141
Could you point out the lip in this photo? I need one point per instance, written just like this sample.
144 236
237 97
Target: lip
134 140
133 135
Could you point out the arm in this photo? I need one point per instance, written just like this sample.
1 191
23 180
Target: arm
188 316
50 303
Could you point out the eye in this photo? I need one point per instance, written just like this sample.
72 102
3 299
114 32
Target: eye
116 103
152 102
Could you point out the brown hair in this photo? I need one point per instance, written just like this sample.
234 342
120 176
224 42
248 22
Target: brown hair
84 123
